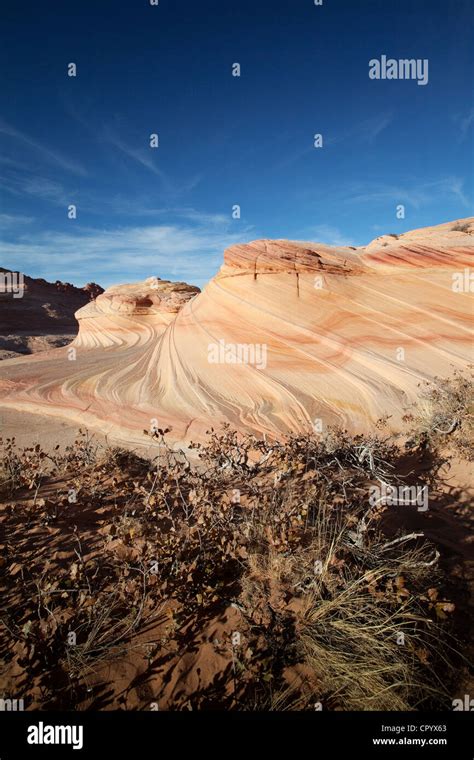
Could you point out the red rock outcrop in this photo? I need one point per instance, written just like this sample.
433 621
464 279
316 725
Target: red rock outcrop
43 317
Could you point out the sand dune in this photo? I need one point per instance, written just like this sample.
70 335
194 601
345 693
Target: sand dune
286 336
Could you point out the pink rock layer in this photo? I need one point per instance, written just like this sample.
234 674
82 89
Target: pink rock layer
287 337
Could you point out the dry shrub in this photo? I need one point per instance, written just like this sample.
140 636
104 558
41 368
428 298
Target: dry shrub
461 227
282 530
444 416
343 617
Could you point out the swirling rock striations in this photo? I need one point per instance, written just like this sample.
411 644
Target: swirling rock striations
285 337
128 314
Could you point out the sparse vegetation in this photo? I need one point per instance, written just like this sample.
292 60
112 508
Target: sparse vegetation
462 227
106 556
444 416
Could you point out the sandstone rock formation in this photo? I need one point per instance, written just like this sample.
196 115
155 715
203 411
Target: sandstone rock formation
286 337
126 314
43 317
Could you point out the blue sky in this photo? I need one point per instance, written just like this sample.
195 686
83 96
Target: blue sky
224 140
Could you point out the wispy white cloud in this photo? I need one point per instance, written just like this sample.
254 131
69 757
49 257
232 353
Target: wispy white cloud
199 216
455 185
364 131
147 157
135 147
327 234
14 220
414 194
143 156
138 207
371 128
43 151
123 255
39 187
464 122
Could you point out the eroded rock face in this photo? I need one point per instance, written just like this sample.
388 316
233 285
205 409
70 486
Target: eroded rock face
447 245
43 317
124 314
153 296
286 256
285 337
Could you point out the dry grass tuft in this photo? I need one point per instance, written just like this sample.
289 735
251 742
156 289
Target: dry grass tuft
444 416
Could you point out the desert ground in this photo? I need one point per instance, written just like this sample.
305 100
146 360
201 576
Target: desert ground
187 510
